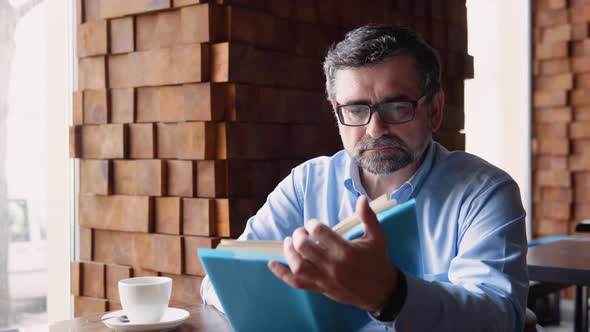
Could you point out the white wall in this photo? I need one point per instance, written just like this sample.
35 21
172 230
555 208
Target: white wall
59 37
497 100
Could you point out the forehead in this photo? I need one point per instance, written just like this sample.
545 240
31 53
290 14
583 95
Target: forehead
395 77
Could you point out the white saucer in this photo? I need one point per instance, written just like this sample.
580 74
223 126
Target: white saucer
172 318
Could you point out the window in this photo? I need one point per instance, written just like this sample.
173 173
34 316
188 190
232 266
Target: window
34 190
497 99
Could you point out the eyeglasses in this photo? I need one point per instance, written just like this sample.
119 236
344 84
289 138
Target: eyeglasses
395 112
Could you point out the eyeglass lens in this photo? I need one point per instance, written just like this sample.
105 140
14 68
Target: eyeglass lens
395 112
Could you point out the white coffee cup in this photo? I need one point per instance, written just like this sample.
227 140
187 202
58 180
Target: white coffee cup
145 299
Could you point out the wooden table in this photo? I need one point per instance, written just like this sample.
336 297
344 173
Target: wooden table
565 262
202 318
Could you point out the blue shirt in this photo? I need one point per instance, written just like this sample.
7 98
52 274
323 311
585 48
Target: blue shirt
472 228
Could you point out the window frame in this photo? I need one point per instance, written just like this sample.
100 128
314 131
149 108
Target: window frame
62 171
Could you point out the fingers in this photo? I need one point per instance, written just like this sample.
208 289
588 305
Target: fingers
307 248
327 239
282 272
297 264
368 218
301 273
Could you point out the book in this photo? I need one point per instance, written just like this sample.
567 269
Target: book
254 299
275 247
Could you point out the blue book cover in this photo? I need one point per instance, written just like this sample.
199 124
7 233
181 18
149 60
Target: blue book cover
254 299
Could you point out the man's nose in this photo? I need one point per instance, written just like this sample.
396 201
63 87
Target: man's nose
376 127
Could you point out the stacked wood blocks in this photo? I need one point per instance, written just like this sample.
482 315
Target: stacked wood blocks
188 114
561 115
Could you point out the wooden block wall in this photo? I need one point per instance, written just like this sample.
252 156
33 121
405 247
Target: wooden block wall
561 115
188 113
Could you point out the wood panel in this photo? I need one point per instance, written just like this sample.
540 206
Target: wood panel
122 213
181 64
560 115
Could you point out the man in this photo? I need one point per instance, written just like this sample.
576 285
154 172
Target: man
384 85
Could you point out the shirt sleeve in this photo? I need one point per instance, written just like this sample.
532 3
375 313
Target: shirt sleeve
487 280
280 215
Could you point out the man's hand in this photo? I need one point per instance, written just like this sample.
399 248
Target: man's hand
353 272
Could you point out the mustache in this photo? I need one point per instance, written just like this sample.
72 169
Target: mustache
382 142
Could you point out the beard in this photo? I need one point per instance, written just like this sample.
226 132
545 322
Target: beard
395 156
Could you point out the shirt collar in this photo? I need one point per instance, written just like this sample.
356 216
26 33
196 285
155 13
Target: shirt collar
353 181
409 189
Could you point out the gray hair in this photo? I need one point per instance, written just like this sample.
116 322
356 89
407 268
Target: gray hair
375 44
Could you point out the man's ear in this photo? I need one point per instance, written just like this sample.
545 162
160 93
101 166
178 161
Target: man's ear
436 110
334 104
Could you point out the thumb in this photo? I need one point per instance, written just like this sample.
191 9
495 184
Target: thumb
368 218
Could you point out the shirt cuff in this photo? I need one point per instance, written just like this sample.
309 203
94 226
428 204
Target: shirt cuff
420 299
380 322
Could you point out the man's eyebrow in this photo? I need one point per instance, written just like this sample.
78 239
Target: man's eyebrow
357 102
385 100
396 98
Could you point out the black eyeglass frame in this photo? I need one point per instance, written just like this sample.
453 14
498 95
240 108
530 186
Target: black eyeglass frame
375 108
